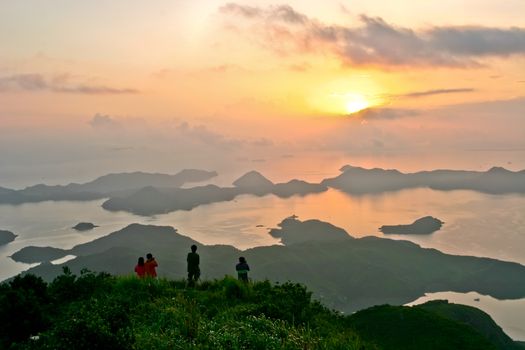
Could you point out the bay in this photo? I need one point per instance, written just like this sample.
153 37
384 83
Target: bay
475 224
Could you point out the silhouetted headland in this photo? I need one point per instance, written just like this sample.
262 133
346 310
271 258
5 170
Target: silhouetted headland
6 237
423 226
345 273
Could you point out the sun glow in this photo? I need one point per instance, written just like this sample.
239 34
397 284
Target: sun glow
356 103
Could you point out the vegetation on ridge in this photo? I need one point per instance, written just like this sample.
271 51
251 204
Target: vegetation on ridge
101 311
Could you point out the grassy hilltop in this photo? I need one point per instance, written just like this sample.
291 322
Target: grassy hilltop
101 311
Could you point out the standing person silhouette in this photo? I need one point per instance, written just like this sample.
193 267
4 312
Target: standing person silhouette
242 269
193 266
150 266
140 269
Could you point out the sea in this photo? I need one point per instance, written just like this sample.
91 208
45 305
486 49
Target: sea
475 224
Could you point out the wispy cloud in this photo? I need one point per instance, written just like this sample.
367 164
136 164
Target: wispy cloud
60 84
437 92
373 41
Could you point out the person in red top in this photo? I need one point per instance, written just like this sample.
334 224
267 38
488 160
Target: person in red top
140 269
150 266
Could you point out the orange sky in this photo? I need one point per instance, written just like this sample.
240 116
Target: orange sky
278 77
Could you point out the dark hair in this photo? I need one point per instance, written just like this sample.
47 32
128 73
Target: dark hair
193 248
242 259
141 261
149 256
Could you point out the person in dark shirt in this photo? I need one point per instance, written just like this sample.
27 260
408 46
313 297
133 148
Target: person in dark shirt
193 266
242 269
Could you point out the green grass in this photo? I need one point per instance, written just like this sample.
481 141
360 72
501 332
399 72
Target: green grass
101 311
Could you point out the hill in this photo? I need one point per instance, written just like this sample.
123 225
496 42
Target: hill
431 326
100 311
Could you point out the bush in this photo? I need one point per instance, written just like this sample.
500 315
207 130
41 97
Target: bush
23 311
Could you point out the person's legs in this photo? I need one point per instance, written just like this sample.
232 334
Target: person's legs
190 278
197 275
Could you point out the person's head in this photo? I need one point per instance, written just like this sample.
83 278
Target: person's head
141 261
242 259
149 256
193 248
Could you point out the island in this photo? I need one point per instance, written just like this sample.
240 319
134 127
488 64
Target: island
6 237
31 254
423 226
358 180
293 231
84 226
345 273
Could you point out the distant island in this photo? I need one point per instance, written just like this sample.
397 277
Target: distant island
497 180
151 200
345 273
423 226
150 194
103 187
6 237
84 226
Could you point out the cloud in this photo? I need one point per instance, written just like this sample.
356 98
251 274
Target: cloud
284 13
373 41
103 121
60 84
437 92
201 135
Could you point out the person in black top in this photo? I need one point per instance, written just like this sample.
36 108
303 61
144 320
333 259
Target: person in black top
242 269
193 266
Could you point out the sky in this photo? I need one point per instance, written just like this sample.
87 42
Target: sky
294 89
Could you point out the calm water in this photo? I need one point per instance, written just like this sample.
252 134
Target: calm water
475 224
508 314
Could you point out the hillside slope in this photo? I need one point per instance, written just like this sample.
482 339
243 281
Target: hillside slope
100 311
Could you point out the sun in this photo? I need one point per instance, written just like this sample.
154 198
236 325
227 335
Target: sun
356 103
